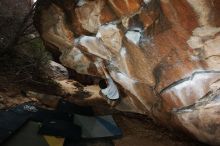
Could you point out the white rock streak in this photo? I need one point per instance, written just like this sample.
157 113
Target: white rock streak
133 36
75 59
196 87
125 81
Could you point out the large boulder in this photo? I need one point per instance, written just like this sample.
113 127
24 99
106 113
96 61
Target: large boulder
164 54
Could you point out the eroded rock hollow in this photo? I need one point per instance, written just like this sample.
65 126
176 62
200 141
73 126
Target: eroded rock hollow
163 54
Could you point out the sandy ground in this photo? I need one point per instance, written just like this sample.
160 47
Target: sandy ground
139 130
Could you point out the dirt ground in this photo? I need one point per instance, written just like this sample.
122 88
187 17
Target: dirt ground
139 130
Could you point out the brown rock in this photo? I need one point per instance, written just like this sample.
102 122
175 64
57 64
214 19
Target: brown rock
48 100
107 15
75 59
54 28
111 37
88 15
56 71
125 7
164 54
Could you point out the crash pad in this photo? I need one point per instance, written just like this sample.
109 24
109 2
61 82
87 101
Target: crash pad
27 136
97 126
67 107
13 119
60 128
47 115
10 122
54 141
38 114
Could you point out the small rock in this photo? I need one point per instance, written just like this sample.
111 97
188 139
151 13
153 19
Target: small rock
57 71
48 100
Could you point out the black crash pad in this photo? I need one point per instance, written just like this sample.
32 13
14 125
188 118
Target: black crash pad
10 122
43 115
13 119
60 128
27 136
71 108
98 130
62 122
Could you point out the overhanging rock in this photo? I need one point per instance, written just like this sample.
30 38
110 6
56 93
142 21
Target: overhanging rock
163 53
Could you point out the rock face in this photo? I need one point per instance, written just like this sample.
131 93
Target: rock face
56 71
12 13
164 54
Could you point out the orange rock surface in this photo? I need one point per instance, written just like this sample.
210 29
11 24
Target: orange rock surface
164 54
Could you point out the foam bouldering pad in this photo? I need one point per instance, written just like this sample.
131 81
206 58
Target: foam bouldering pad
10 122
54 141
98 126
4 134
61 129
27 136
71 108
47 115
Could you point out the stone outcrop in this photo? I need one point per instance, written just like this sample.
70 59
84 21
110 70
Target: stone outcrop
56 71
12 13
164 54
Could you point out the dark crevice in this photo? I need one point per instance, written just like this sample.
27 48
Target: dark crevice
212 56
187 78
82 78
210 96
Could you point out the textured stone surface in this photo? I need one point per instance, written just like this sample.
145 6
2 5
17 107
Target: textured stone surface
12 13
164 54
56 71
